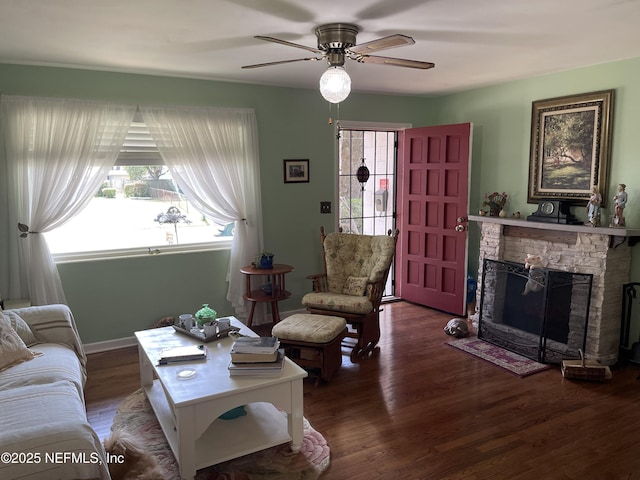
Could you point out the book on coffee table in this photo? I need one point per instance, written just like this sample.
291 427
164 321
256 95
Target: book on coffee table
261 369
237 357
191 353
261 345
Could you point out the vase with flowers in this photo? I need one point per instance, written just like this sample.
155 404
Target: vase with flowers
495 201
264 260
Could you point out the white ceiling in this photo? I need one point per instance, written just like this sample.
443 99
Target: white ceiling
472 42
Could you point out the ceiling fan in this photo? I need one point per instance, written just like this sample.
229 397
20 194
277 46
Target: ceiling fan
336 43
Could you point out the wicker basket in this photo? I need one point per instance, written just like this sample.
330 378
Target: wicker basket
584 369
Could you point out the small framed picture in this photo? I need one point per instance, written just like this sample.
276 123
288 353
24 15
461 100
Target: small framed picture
296 171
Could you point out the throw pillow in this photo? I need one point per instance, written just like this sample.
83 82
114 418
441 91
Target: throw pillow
356 286
12 348
21 327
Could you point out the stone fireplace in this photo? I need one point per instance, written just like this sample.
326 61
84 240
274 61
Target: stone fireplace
539 313
604 253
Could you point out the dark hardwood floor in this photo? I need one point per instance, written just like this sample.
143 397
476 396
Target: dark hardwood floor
423 410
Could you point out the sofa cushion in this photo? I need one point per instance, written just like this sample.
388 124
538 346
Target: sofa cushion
54 324
57 363
337 302
12 349
21 327
49 419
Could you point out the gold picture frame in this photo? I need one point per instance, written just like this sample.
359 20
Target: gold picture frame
570 147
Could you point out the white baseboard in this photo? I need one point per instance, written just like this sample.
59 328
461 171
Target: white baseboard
107 345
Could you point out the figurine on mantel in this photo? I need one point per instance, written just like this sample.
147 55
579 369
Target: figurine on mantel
620 202
593 207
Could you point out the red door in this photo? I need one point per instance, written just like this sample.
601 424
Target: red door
432 213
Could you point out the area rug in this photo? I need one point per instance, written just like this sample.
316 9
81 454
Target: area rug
521 366
135 416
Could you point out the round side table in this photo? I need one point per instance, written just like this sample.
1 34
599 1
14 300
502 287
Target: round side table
275 277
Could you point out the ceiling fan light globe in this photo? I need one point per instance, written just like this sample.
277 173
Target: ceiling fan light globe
335 84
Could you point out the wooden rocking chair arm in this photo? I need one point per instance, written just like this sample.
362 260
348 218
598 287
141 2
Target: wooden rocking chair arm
376 290
319 282
316 275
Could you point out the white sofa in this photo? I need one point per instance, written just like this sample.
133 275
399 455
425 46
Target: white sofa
44 431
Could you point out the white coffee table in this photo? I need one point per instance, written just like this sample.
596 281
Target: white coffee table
188 410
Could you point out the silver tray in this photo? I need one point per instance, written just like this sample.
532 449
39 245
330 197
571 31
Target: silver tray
211 338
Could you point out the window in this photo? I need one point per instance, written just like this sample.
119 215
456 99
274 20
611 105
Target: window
138 207
367 209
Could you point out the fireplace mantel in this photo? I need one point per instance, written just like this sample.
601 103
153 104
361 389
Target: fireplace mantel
617 235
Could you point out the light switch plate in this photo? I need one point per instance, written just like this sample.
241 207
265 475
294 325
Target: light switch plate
325 207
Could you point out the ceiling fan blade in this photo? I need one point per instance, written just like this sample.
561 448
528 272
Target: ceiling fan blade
257 65
395 62
290 44
383 43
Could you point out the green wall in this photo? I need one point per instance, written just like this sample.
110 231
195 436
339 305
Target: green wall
501 116
113 298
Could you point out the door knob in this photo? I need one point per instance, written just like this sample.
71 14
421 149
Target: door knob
460 228
461 219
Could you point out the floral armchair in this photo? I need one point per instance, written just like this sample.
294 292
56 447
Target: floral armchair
356 269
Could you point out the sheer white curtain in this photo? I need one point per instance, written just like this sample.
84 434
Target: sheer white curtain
59 151
212 154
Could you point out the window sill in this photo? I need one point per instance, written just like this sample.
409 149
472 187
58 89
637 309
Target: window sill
60 258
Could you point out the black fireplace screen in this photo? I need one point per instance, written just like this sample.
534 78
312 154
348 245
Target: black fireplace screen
541 314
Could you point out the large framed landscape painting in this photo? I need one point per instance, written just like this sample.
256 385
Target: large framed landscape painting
570 147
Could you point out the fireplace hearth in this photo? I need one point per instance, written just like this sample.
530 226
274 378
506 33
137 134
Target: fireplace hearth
541 313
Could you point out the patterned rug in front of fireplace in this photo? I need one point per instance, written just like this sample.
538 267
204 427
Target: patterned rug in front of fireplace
512 362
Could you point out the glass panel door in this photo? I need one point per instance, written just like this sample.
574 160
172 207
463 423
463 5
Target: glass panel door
369 208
